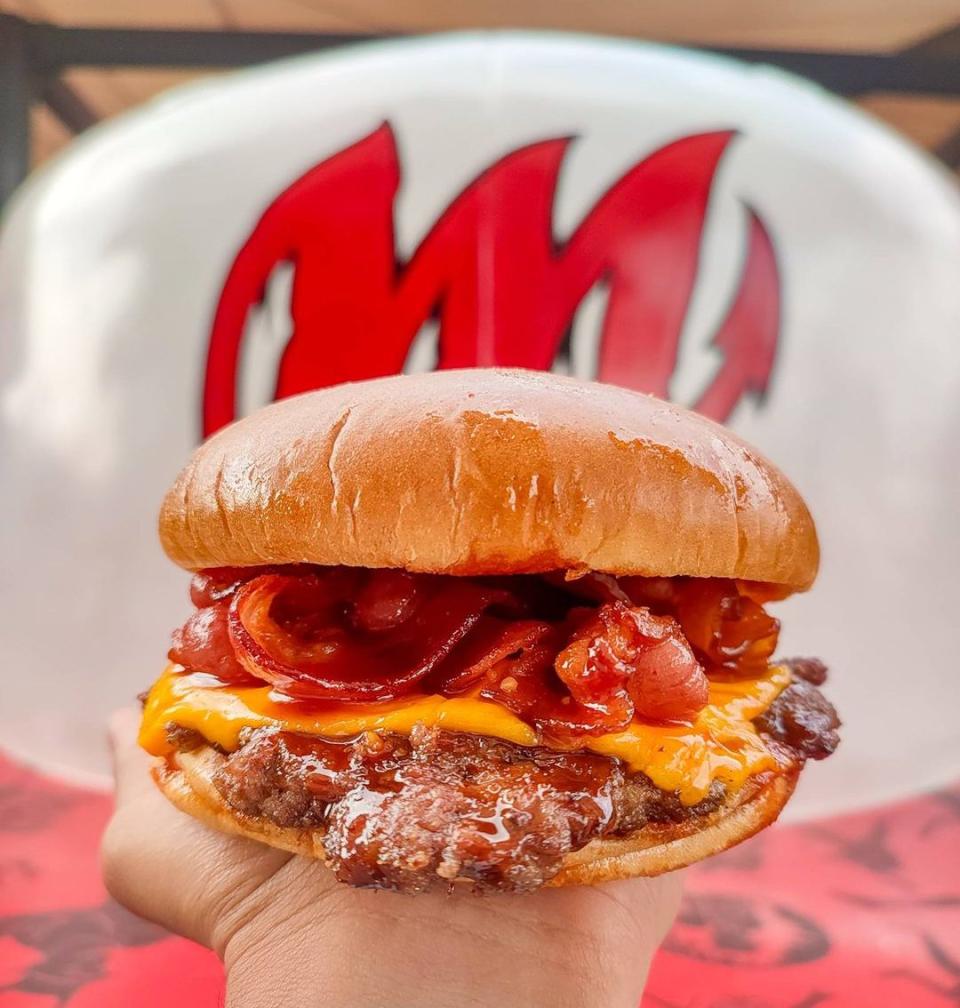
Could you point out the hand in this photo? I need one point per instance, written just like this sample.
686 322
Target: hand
289 934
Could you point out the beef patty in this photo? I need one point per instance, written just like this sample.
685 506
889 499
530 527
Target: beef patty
410 813
802 720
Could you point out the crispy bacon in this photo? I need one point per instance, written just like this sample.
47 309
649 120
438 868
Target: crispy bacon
592 586
625 653
570 655
386 600
285 630
731 631
723 620
590 674
211 586
492 646
203 644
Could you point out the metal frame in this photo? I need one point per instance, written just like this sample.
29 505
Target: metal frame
34 55
16 97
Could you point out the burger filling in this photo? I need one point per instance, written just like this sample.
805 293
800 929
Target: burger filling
437 728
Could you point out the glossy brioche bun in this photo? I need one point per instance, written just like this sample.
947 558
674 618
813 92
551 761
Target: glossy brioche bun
187 781
488 471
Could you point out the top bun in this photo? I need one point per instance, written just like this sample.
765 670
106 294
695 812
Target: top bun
488 471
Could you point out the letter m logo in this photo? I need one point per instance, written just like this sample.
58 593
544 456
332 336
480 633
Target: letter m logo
491 275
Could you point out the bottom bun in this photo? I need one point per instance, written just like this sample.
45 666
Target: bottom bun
186 778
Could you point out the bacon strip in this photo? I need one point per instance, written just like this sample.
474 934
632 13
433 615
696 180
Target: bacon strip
627 652
572 656
324 661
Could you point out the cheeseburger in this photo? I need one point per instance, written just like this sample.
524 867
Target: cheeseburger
492 628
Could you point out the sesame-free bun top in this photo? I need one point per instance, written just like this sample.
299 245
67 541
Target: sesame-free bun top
488 471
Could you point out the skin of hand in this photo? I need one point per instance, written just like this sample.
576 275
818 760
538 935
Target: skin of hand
289 934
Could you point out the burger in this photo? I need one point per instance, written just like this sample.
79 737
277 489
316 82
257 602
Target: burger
485 628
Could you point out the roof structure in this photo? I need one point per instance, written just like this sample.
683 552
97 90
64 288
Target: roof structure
65 64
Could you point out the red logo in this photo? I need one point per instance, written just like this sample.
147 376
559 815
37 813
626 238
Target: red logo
492 275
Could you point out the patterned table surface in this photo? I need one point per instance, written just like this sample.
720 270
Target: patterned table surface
859 910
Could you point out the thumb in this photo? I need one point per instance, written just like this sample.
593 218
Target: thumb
164 865
131 765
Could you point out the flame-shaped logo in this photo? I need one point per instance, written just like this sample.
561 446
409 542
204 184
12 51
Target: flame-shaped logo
491 276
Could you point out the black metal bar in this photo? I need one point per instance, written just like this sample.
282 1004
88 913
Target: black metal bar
56 48
64 102
949 150
945 43
45 50
15 98
858 73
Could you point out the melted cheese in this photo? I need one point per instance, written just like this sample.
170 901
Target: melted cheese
720 745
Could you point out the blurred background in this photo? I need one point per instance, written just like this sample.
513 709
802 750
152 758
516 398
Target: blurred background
782 254
67 64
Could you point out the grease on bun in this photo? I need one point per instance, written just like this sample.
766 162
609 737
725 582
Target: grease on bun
488 472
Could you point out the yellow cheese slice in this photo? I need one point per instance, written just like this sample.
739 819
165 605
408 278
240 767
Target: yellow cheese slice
721 744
